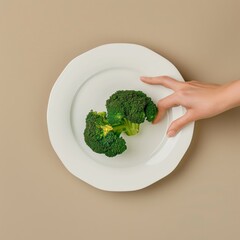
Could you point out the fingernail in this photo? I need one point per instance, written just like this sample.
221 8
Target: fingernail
171 133
143 78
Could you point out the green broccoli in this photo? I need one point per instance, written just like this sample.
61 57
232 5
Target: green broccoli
102 137
126 110
131 106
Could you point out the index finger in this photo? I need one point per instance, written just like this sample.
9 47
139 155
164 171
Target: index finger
164 81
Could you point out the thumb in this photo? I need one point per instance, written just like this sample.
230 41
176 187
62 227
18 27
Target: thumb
179 124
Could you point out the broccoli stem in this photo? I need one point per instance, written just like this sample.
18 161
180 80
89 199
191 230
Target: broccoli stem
128 127
131 128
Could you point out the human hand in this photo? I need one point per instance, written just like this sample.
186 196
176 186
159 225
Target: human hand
201 100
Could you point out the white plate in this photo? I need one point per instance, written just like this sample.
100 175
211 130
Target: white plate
85 84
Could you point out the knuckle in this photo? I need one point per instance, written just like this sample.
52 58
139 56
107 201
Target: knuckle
165 79
162 104
181 93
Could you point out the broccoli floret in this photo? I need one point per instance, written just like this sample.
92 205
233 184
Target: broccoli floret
150 110
130 105
102 137
126 110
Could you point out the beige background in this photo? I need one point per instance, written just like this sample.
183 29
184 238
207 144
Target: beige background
39 198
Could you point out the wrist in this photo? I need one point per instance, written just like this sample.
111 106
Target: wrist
232 94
